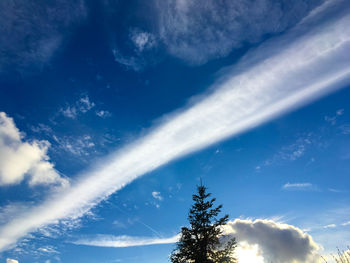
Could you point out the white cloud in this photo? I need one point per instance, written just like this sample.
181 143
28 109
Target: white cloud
70 112
118 224
247 253
103 114
79 146
19 159
142 52
280 243
142 40
340 112
299 187
130 62
41 128
9 260
197 31
124 241
333 119
290 152
330 226
48 250
345 129
83 105
157 195
278 77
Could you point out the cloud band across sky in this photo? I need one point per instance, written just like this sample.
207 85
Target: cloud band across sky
273 79
263 239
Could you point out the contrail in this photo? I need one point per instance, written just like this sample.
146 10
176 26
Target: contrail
282 75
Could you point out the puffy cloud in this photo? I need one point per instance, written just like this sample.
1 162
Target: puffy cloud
280 243
247 253
9 260
31 31
198 31
18 158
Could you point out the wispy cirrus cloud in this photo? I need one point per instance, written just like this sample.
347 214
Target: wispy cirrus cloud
124 241
31 31
330 226
346 223
81 106
198 32
142 40
299 187
280 76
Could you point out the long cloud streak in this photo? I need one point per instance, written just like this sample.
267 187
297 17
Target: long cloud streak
304 69
125 241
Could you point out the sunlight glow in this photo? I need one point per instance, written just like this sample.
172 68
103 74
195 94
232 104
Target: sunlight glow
276 78
247 253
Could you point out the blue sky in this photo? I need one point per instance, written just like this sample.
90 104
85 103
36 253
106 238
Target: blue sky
112 111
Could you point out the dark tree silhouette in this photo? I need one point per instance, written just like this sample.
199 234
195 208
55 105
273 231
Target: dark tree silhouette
200 243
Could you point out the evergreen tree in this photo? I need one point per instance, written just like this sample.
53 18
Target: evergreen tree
200 242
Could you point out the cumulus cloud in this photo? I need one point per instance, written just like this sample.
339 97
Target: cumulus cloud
9 260
124 241
247 253
31 31
19 159
280 243
281 75
197 31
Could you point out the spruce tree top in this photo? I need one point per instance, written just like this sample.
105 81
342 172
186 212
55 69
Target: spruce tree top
200 242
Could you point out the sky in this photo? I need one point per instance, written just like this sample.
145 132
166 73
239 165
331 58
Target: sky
112 112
